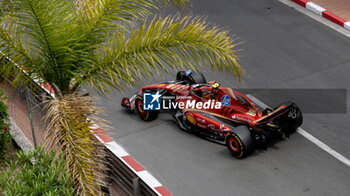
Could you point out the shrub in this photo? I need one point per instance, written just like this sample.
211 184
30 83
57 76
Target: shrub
5 137
48 176
5 141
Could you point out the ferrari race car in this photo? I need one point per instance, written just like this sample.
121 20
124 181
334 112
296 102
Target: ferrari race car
220 114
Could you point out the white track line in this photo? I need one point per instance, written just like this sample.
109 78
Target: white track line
324 146
310 137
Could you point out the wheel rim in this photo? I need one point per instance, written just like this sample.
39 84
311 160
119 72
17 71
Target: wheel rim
234 145
140 108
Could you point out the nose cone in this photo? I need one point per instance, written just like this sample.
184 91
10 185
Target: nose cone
125 102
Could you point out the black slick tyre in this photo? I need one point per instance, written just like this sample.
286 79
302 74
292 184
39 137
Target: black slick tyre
240 142
146 115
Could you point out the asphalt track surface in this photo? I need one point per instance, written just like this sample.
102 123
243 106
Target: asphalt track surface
282 48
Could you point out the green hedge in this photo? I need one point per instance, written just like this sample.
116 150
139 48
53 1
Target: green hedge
48 176
5 137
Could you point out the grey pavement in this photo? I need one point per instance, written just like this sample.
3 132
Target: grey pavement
282 48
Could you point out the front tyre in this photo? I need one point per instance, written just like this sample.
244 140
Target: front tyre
240 142
146 115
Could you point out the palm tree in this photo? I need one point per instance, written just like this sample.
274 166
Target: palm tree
103 44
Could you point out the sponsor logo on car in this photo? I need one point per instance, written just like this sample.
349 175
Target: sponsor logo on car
200 120
190 118
292 113
211 126
221 129
201 126
225 100
240 118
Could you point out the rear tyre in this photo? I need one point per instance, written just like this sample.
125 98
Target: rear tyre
146 115
194 78
240 142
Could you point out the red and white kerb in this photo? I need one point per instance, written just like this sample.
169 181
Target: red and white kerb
323 12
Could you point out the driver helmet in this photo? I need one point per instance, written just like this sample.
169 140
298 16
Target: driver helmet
210 93
207 94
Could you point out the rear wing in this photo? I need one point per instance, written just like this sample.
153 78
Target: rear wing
286 110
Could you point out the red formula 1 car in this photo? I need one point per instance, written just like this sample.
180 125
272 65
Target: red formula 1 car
220 114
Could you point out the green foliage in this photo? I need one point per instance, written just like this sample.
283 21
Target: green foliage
3 110
48 176
5 137
5 141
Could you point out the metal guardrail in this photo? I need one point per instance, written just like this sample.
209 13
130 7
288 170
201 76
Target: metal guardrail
120 175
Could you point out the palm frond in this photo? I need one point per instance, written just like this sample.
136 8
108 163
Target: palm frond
69 128
13 51
172 42
178 3
46 30
101 17
6 7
